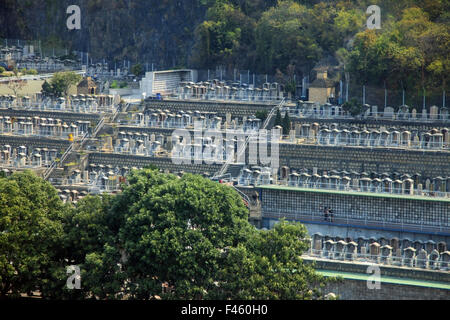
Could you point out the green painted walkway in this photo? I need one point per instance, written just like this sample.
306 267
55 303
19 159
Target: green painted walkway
386 279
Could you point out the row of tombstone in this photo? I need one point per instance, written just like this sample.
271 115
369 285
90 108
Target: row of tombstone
75 103
384 138
394 251
221 91
392 182
392 137
181 119
310 109
255 176
161 119
139 143
41 126
108 177
213 148
24 156
73 196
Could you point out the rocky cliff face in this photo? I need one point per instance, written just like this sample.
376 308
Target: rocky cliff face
159 31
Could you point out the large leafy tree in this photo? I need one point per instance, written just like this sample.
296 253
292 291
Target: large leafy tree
192 236
411 53
174 232
269 266
137 70
188 235
284 35
225 37
61 82
31 233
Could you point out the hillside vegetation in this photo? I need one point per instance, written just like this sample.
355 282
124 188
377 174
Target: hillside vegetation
286 37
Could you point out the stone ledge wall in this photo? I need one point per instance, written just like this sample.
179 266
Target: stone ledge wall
126 160
350 289
375 124
65 116
236 109
357 290
35 142
390 271
427 163
376 209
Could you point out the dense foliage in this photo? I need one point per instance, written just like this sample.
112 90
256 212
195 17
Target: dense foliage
60 83
163 236
410 50
285 37
31 232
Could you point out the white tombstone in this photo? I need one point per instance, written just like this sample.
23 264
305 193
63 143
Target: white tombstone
434 112
388 113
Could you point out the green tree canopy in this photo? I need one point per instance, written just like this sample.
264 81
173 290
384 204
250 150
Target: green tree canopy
61 82
189 235
278 119
175 231
269 267
31 233
286 124
137 70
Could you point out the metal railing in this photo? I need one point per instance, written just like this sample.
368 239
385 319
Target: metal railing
400 191
43 107
392 260
54 164
371 143
226 98
244 146
62 136
380 116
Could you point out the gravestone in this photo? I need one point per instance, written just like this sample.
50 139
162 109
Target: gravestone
298 128
397 260
445 260
406 243
292 136
418 245
434 259
363 252
444 114
424 114
409 255
328 249
317 246
388 113
351 250
422 259
386 253
317 243
442 247
395 244
429 246
434 112
339 251
374 251
375 111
